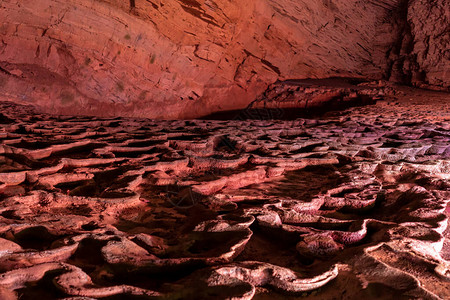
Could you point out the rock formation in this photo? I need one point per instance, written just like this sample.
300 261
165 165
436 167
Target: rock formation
352 205
189 58
171 149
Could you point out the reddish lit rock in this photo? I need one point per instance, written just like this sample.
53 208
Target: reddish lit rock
353 202
183 59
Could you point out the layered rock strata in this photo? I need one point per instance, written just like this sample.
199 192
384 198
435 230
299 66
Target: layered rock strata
188 58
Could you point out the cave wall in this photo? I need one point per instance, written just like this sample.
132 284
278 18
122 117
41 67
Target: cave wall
430 27
188 58
421 54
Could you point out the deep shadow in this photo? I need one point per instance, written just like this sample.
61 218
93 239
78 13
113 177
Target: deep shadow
264 114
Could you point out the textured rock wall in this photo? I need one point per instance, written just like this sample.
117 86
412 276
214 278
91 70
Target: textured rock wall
188 58
430 26
421 55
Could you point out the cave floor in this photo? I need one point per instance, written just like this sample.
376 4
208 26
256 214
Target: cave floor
350 205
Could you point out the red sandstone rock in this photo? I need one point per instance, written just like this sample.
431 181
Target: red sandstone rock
182 59
129 208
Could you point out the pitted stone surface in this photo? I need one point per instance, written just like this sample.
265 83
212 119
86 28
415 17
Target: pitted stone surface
353 202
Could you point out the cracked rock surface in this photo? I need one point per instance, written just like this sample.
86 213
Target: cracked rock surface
350 205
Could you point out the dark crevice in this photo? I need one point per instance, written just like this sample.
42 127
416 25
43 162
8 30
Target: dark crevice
271 66
400 53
